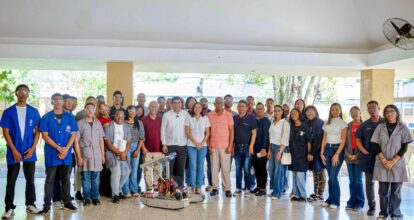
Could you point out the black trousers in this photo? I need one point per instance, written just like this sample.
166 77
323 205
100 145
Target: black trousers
390 198
259 165
50 182
177 165
12 174
105 183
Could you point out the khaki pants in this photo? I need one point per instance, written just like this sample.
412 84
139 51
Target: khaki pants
220 160
151 173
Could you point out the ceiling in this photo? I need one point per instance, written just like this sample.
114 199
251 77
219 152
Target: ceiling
202 36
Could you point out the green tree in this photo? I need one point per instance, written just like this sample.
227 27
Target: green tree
7 80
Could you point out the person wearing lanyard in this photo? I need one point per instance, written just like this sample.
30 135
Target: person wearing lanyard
391 140
356 200
367 149
299 146
174 139
89 148
332 155
58 129
20 129
245 130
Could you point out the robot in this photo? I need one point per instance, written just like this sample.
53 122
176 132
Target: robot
168 194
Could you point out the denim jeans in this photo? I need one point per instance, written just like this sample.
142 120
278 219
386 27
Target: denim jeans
139 172
390 199
271 171
299 185
119 175
131 185
243 165
333 171
90 184
279 172
210 182
196 166
356 189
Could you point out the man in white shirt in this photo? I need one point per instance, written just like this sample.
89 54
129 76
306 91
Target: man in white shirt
174 139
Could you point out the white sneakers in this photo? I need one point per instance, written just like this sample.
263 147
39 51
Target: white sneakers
7 215
32 209
58 205
327 205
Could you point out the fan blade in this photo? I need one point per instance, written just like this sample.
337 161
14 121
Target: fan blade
397 40
405 29
395 27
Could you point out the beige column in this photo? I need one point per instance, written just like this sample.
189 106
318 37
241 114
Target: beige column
120 77
376 84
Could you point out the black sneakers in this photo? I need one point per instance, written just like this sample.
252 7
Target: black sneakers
214 192
96 202
86 202
371 212
228 194
115 199
44 211
70 206
79 196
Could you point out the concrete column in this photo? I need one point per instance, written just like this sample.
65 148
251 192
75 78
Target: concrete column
120 77
376 84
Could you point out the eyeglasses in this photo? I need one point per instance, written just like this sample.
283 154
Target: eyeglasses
22 92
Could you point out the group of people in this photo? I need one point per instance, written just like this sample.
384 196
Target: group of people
106 145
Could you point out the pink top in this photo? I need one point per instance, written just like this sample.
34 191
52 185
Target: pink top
219 133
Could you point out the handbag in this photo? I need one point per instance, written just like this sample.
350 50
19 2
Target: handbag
286 157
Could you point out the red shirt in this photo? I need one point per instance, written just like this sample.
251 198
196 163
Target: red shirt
152 129
104 120
354 129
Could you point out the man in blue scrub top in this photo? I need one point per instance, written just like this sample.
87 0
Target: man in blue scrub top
59 131
368 150
20 129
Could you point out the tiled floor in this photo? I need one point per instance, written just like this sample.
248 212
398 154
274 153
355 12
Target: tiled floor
212 208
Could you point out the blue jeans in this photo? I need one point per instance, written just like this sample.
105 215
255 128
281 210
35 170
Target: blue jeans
271 170
356 190
119 176
210 182
333 171
131 185
287 180
279 172
299 185
139 172
196 166
243 165
90 184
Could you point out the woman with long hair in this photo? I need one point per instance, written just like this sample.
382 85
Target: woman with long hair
279 140
315 125
133 158
332 155
197 128
356 190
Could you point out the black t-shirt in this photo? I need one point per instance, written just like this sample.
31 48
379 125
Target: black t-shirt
243 128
